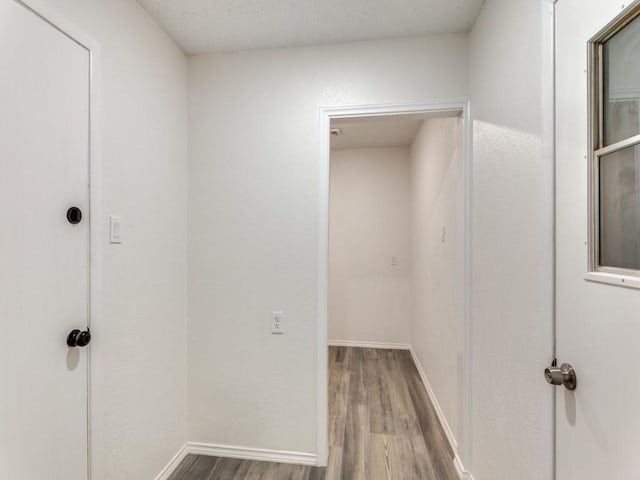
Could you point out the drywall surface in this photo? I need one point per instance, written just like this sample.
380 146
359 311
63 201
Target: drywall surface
138 355
368 229
437 273
254 144
512 246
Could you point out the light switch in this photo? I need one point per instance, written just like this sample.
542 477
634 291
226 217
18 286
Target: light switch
115 229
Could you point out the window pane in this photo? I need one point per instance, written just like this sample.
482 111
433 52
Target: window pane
619 180
621 84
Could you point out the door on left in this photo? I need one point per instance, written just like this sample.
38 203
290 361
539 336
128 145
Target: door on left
44 256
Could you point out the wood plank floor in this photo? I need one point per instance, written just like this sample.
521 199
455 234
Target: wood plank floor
382 426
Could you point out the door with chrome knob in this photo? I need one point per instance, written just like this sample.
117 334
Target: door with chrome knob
562 375
597 290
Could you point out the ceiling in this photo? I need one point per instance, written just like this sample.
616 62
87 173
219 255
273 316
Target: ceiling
202 26
382 131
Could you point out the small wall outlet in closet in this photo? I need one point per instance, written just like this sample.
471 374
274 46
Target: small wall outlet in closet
277 323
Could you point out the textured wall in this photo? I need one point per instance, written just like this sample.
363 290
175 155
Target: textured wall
369 224
138 382
253 215
437 273
512 246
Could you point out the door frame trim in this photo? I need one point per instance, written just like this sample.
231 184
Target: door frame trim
463 105
548 136
94 300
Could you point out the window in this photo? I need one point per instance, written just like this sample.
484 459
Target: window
615 143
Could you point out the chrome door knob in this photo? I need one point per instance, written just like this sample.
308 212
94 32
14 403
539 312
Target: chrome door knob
563 375
553 375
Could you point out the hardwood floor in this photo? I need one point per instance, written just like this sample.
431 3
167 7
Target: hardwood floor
198 467
382 426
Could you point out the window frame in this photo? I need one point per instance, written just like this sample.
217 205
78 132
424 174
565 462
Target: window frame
596 134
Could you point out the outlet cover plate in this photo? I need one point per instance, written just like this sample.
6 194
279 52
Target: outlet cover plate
277 323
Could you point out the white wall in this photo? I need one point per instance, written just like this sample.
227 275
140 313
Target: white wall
253 215
512 245
138 383
369 224
437 274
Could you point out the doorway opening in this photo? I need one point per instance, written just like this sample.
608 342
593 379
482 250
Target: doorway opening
394 282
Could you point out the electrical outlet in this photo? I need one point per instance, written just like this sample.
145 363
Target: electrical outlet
394 261
277 323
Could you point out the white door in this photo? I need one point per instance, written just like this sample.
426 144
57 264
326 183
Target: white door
44 155
598 324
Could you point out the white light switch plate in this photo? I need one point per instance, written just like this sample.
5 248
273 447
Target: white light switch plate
115 229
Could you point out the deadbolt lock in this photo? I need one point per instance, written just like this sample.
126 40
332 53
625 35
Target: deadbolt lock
74 215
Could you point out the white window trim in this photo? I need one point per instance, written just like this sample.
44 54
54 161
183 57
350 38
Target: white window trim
596 272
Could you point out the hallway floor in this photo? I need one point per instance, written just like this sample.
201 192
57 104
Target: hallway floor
382 426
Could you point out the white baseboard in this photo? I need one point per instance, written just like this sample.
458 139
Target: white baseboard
247 453
462 473
173 463
434 401
230 451
352 343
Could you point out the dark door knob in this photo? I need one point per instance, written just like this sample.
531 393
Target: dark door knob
79 338
74 215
